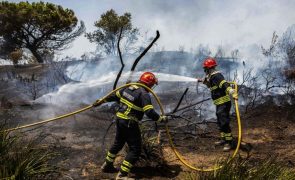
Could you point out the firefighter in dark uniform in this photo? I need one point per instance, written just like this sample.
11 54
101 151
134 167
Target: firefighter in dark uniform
134 101
220 93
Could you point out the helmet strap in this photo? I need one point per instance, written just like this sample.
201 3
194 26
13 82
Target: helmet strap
206 70
153 87
209 71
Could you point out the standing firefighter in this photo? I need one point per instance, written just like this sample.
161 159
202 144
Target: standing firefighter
220 91
134 101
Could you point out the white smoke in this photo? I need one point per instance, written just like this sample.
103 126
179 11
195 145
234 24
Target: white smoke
88 90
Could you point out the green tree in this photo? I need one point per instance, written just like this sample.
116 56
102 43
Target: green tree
108 30
37 26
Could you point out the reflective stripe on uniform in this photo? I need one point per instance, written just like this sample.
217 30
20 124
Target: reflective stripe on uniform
134 86
118 94
222 135
110 157
123 116
127 164
222 100
125 169
228 136
221 83
213 88
127 111
131 105
147 107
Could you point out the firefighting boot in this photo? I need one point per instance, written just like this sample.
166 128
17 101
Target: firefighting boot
228 146
228 142
123 176
108 168
221 140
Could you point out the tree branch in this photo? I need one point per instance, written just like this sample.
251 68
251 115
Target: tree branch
142 54
121 59
179 102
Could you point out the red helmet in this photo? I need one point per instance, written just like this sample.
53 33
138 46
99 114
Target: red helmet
149 79
209 63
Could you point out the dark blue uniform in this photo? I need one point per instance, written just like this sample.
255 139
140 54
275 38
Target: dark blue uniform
134 101
220 88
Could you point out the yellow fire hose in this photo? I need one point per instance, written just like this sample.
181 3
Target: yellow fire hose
166 126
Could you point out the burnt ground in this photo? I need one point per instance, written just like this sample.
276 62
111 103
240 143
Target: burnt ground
269 128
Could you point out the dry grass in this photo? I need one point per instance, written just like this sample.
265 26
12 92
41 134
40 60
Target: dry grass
240 168
23 160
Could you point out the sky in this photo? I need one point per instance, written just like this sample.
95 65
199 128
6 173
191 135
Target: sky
229 23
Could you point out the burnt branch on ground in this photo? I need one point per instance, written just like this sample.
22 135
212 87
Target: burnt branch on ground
179 102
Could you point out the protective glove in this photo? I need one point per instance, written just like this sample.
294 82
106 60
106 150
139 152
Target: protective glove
234 94
200 79
163 119
98 103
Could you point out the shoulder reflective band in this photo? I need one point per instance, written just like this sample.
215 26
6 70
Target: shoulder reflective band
213 88
135 87
221 83
118 94
215 72
222 100
147 107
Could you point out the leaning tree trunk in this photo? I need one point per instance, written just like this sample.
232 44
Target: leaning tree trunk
37 55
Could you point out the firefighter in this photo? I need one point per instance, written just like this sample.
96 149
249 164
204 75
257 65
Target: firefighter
220 93
134 101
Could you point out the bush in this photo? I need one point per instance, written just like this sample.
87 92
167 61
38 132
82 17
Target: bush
240 168
23 160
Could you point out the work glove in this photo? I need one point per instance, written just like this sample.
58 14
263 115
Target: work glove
163 119
204 81
98 103
200 79
234 94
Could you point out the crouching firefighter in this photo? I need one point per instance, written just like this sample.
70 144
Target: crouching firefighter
134 101
220 93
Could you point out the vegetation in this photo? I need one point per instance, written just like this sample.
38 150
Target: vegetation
19 160
152 152
108 30
240 168
15 56
40 27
